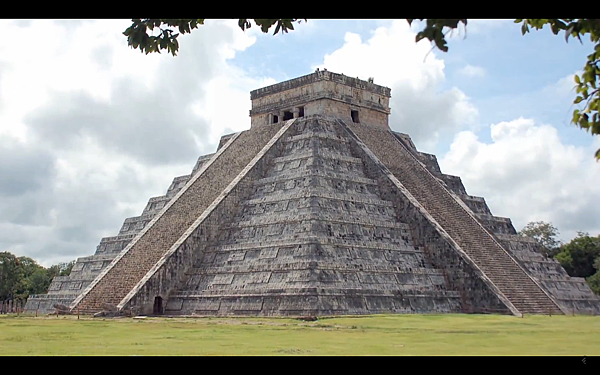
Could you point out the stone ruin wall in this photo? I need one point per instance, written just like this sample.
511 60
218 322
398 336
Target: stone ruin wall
322 92
342 110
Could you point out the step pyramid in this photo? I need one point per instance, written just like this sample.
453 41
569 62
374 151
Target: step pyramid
318 209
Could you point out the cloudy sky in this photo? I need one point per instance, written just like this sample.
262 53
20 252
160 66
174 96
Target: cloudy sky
90 129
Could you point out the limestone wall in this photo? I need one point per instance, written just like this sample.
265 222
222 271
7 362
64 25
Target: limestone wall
318 90
343 110
336 108
319 75
323 93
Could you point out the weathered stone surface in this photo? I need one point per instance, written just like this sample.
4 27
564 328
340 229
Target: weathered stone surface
318 241
329 214
318 93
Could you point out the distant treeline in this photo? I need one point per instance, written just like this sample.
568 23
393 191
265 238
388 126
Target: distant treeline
580 257
21 277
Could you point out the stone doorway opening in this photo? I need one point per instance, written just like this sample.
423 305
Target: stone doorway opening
354 115
158 306
287 115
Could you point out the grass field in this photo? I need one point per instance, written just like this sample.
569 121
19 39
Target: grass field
373 335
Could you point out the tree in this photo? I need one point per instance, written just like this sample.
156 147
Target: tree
28 266
39 281
9 275
21 277
587 84
580 256
545 234
137 36
594 281
28 269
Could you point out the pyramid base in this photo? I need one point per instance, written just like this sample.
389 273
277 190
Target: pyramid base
313 302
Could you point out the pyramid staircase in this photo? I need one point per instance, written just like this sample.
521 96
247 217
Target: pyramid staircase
521 292
157 238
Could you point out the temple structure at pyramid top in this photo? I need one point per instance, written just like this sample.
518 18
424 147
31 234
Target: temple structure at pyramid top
322 92
318 209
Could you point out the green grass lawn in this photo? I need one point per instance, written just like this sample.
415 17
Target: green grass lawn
372 335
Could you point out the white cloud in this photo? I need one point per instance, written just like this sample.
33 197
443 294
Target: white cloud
419 106
90 129
528 174
472 71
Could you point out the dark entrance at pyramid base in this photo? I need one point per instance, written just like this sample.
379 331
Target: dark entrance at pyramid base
158 306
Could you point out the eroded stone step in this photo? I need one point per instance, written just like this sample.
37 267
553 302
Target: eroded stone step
319 192
315 134
322 154
239 265
333 291
321 240
315 174
270 219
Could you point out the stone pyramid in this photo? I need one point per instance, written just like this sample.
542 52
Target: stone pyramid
318 209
